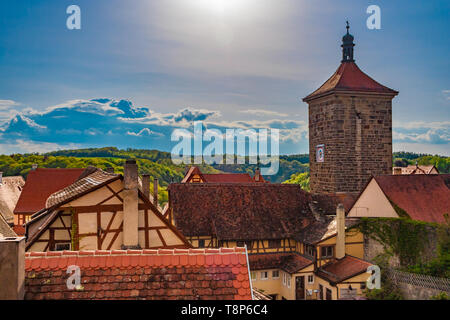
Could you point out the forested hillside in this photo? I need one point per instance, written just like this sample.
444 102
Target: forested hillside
292 169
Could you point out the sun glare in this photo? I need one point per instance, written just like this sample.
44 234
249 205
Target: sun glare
220 6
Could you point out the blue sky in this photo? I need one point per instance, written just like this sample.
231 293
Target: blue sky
138 69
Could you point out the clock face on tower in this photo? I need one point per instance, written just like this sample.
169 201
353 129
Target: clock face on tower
320 153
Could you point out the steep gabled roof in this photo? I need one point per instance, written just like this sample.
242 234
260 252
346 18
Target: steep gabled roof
95 179
289 262
220 177
424 197
418 169
40 184
321 230
194 274
5 229
326 203
240 211
228 178
348 77
10 189
343 269
92 179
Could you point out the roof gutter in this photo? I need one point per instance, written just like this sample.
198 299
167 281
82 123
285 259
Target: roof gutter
249 275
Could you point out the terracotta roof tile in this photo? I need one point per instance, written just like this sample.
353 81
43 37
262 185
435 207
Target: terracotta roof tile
19 230
240 211
326 204
289 262
139 274
348 77
220 177
424 197
416 169
227 178
342 269
97 178
40 184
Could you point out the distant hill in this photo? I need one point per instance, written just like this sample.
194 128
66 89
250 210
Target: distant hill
158 164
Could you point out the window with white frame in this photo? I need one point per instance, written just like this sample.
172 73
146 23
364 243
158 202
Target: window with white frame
284 278
275 274
288 280
264 275
310 279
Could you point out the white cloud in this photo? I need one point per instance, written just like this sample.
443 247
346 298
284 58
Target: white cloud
27 146
262 112
5 104
145 132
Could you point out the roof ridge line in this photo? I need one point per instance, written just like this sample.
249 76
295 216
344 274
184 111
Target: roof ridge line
135 252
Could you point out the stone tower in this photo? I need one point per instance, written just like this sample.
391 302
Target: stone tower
350 128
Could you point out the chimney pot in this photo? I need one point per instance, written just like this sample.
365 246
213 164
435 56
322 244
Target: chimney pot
155 192
130 205
34 166
340 226
146 185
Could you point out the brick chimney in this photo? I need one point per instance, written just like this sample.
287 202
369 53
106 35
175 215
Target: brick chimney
12 268
130 205
146 185
340 226
155 192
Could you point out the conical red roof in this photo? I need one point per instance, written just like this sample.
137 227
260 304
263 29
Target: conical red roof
348 77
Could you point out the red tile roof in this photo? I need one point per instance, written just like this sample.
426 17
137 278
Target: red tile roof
227 177
19 230
219 177
240 211
326 203
424 197
348 77
183 274
343 269
289 262
417 169
40 184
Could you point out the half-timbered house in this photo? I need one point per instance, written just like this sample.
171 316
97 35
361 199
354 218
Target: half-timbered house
40 184
290 234
194 175
102 211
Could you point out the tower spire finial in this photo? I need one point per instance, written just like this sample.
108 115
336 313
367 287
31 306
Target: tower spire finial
347 46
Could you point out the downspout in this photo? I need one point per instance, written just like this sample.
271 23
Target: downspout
249 275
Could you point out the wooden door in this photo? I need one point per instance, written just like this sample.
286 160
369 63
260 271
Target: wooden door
300 288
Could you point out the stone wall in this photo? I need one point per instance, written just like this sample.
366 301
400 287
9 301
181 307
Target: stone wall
417 286
356 132
373 248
